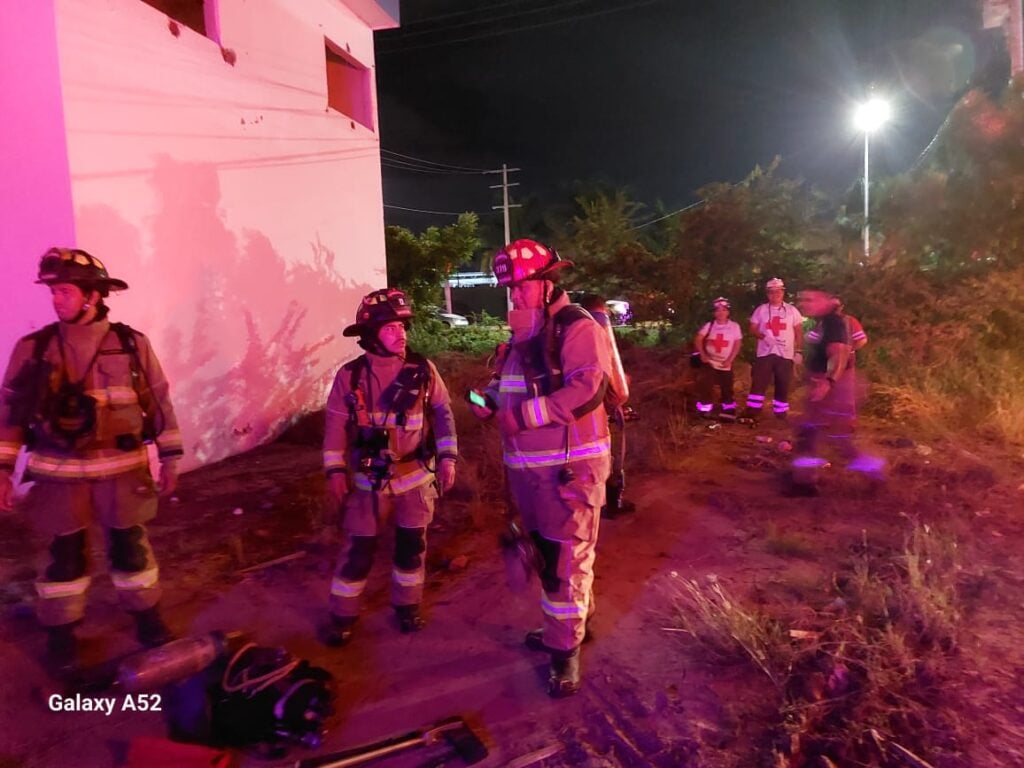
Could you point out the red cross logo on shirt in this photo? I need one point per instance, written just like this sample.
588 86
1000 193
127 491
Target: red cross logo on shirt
775 325
719 343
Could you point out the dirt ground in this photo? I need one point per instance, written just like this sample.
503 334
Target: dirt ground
708 501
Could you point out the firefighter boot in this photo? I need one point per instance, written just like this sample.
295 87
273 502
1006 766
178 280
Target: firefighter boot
564 677
409 618
61 649
338 631
150 628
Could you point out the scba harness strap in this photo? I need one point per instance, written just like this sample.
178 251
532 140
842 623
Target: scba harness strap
542 357
412 385
69 408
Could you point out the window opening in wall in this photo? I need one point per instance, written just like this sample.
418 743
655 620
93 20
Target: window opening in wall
191 13
348 86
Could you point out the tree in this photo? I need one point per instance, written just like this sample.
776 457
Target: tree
418 264
743 234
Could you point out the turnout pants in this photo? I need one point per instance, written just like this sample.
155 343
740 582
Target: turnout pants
563 520
772 370
363 515
707 379
62 512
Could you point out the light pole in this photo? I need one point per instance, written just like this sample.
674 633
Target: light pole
869 117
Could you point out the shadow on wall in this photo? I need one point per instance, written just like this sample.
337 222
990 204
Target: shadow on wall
248 340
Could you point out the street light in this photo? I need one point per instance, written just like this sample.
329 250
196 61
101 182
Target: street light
869 117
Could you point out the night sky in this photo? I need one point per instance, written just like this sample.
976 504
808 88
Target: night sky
663 96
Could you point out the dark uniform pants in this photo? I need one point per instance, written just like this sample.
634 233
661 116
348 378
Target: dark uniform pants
770 370
364 513
62 511
707 379
563 519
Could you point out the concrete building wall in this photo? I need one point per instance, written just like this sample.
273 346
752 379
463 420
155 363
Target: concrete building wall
209 172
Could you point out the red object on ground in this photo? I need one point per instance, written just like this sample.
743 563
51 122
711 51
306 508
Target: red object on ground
154 752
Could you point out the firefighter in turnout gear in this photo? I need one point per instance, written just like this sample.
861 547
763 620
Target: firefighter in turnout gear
548 398
389 442
84 395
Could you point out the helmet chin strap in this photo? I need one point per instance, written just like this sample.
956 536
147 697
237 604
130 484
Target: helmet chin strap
372 344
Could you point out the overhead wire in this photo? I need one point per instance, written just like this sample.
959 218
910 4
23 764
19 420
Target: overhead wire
452 14
399 36
399 157
438 213
508 31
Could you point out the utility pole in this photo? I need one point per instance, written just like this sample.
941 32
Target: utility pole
505 206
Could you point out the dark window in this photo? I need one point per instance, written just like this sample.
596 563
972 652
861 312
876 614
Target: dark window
188 12
348 86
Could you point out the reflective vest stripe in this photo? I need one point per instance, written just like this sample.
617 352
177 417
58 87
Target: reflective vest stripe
114 396
49 590
342 588
413 421
334 459
536 412
124 580
86 468
169 439
563 611
555 456
397 485
405 579
512 383
447 444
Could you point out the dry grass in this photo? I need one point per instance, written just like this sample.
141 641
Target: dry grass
862 678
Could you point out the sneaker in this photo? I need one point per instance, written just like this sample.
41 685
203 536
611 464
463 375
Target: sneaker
564 674
409 618
338 631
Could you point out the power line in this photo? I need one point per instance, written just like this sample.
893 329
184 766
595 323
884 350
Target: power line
422 161
437 213
419 169
673 213
431 19
496 33
487 19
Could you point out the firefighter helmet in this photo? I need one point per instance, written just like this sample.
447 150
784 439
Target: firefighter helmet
72 265
526 260
379 308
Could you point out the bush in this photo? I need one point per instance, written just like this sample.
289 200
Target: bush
430 337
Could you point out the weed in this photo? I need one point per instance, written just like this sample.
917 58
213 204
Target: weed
865 682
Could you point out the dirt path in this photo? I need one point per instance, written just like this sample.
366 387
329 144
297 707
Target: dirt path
649 699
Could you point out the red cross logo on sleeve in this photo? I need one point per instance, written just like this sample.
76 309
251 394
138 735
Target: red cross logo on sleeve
719 343
776 324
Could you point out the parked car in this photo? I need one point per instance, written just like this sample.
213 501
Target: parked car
450 318
619 311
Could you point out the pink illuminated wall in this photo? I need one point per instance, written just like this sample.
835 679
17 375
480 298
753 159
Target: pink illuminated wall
211 175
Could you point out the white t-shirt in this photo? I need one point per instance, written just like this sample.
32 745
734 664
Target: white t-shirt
777 324
718 341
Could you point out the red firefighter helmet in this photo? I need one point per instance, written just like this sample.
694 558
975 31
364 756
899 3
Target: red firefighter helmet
379 308
526 260
71 265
